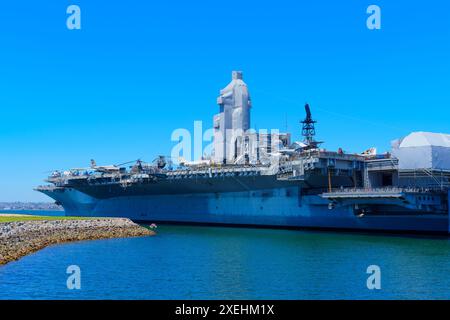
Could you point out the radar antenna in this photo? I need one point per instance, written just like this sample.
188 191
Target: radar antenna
308 129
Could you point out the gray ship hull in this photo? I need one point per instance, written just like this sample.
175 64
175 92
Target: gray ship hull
282 207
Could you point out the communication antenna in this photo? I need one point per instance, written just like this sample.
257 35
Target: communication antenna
286 121
308 129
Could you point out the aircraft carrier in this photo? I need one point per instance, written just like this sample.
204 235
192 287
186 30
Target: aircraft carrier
264 179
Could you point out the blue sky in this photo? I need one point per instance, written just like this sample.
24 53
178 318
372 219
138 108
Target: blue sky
116 89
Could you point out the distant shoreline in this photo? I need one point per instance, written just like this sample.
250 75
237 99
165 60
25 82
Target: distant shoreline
33 210
29 206
21 235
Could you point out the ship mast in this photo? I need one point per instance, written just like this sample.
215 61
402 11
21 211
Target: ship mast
308 129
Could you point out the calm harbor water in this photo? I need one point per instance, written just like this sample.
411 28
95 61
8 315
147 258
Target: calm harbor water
184 262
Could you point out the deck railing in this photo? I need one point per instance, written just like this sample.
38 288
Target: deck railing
382 190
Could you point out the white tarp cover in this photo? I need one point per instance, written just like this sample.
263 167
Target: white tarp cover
423 150
234 117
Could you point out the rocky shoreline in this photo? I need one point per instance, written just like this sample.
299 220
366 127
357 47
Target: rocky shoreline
18 239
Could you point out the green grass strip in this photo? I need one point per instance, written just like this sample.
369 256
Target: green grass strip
21 218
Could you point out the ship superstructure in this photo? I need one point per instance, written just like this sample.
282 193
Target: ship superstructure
264 179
